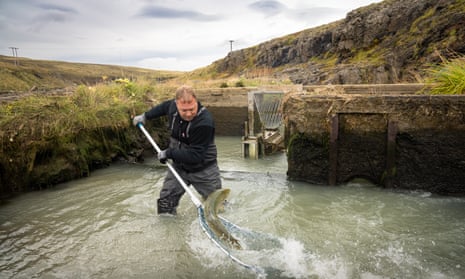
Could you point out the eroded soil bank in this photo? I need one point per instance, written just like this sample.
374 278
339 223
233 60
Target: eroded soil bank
38 164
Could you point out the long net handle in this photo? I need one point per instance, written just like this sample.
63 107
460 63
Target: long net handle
191 194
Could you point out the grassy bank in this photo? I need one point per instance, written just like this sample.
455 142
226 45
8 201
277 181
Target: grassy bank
47 140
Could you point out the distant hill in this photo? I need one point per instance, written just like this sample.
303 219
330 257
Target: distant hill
24 74
389 42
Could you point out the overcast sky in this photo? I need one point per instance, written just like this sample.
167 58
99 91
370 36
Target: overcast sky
158 34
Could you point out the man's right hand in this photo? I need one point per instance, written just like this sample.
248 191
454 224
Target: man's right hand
138 119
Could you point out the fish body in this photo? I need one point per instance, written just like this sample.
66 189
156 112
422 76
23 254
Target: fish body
214 204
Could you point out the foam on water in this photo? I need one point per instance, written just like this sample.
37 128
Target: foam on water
292 259
283 258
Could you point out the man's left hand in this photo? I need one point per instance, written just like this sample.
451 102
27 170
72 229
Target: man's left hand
163 156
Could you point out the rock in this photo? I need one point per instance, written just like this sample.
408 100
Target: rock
388 42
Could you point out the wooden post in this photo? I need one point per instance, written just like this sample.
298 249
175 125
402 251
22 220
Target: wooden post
250 110
390 154
334 134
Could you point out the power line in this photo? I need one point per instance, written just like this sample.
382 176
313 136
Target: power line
231 43
15 54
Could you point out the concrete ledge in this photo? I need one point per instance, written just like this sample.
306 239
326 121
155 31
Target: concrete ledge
399 140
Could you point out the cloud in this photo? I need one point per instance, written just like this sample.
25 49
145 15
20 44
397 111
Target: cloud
57 8
37 16
316 15
268 7
163 34
160 12
51 17
39 22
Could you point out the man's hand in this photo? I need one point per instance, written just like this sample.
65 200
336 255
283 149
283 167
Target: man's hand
138 119
163 156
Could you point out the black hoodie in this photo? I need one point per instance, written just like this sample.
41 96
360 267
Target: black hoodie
192 143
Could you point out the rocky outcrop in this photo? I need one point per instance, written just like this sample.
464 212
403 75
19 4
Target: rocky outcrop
389 42
380 133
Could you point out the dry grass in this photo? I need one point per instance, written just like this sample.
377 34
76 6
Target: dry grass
44 75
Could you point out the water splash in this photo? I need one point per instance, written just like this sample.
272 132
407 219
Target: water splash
279 257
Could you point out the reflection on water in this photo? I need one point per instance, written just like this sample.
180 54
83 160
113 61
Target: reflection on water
105 226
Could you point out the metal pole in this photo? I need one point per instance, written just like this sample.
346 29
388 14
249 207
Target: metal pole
231 43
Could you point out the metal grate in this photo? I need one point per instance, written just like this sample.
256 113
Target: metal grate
268 107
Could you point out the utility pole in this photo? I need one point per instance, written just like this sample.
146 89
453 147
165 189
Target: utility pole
231 43
15 54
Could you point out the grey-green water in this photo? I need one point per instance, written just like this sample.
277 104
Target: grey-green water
106 226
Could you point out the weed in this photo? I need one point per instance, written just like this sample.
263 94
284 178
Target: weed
448 78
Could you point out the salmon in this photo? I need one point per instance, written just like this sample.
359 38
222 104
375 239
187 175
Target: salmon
214 204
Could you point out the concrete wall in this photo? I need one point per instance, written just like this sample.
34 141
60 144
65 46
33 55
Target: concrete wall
228 107
384 133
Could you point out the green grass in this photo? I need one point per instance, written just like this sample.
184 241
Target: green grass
48 139
448 78
87 108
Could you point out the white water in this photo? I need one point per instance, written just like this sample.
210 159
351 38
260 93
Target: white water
106 226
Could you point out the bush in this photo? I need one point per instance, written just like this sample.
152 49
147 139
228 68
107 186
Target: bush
240 84
449 78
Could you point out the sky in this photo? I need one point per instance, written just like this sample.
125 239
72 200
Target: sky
178 35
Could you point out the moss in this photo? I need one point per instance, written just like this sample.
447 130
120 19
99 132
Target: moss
290 40
388 174
303 147
46 175
308 158
48 162
373 56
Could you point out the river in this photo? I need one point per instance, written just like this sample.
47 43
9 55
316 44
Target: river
105 226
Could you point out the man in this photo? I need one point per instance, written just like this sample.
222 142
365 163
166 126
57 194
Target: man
192 148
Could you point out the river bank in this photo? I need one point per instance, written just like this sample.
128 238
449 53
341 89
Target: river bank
46 140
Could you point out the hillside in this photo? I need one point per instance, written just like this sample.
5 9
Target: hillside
41 75
393 41
389 42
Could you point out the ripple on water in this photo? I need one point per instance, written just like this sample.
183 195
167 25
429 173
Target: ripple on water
106 226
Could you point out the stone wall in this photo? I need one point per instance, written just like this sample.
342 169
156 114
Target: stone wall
385 133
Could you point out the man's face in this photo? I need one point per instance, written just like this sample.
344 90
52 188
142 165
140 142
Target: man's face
187 107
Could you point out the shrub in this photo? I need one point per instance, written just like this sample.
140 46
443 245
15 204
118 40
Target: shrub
449 78
240 83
